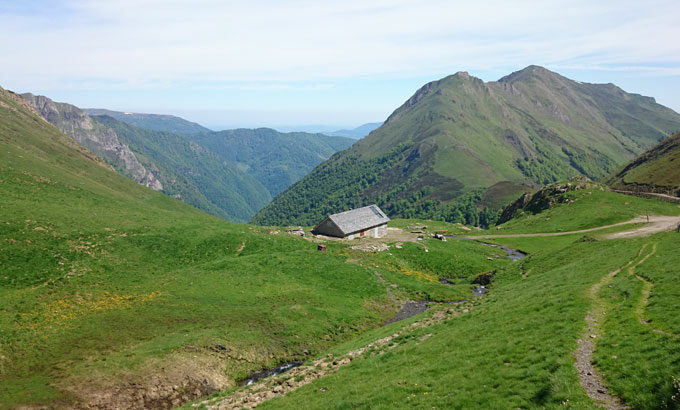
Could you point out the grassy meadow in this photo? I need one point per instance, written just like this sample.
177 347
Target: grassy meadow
514 348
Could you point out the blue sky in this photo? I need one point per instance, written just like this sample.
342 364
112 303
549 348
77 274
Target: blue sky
290 63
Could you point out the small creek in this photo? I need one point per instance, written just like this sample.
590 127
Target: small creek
513 254
261 374
409 309
412 308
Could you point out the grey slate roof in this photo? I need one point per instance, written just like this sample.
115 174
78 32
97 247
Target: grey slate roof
359 219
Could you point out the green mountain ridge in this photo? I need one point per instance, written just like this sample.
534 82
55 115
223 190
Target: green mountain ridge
192 173
460 134
100 140
163 161
655 171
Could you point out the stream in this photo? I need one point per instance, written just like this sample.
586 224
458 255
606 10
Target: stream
513 254
410 308
261 374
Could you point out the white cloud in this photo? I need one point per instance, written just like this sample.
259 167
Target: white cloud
147 43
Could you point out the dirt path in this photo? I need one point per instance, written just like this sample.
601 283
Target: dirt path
590 380
287 382
666 197
656 224
646 292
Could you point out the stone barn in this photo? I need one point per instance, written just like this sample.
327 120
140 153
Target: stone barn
368 221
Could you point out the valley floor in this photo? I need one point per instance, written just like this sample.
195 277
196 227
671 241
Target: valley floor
394 358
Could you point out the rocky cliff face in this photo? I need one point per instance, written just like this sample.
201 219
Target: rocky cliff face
101 140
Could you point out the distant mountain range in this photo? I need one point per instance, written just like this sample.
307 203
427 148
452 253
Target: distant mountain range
230 174
274 158
460 135
156 122
358 132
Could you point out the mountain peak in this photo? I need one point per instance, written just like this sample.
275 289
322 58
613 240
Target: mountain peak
532 71
460 135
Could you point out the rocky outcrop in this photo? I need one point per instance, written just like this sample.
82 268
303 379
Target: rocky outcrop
97 138
545 198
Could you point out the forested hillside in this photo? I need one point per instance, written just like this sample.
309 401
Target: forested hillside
231 174
192 173
276 159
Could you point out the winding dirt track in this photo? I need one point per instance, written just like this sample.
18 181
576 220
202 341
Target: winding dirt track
665 197
640 308
656 224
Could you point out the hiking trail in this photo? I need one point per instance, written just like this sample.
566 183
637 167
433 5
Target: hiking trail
656 224
647 286
590 379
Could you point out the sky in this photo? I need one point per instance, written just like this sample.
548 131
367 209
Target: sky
324 64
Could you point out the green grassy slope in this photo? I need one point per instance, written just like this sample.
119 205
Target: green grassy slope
192 173
155 122
275 159
641 360
111 293
657 170
512 351
514 347
459 133
106 283
574 205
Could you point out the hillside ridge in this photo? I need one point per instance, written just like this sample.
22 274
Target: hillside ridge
102 141
156 122
459 134
655 171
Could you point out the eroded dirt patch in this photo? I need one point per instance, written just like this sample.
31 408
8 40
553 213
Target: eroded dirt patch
178 380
